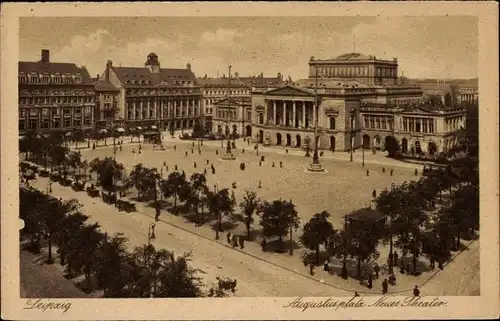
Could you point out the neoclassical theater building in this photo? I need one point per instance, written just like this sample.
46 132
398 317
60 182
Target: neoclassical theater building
359 104
153 97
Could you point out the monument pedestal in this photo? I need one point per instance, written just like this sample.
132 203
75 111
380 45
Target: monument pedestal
315 168
228 156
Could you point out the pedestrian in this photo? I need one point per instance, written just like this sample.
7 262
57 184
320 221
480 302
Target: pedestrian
356 294
183 173
370 281
286 150
416 172
242 243
233 184
390 260
396 258
164 164
376 268
416 291
192 144
175 148
326 267
194 164
166 168
213 170
140 151
440 265
186 152
392 279
192 150
374 193
208 162
281 164
402 268
175 167
243 150
367 172
383 169
311 269
392 171
385 286
260 163
260 184
157 213
273 164
216 152
229 237
121 148
408 268
205 171
235 240
263 245
50 187
433 264
199 151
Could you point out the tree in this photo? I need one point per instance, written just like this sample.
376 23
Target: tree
389 203
194 193
144 180
277 219
172 186
249 206
408 227
198 131
433 99
109 258
74 160
32 216
362 244
392 146
220 204
108 172
69 227
338 246
177 279
317 232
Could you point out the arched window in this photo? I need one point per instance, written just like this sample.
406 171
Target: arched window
261 118
332 122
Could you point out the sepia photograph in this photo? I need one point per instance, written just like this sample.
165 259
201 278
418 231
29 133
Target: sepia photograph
249 156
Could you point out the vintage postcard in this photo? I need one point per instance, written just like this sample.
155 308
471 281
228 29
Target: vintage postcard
195 161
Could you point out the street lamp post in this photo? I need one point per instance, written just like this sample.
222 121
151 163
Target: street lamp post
315 166
151 233
228 155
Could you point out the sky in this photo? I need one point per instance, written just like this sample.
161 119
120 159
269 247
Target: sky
426 47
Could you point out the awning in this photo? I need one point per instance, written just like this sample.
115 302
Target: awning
103 131
154 127
120 129
139 128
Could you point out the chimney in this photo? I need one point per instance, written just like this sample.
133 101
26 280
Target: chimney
109 64
45 55
279 76
97 76
188 66
236 75
205 76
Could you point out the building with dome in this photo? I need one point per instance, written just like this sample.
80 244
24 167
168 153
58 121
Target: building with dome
360 103
152 97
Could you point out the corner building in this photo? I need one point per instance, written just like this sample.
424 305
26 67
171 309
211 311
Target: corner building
156 98
360 104
54 96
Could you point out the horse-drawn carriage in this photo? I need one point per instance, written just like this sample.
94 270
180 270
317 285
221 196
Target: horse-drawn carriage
126 206
227 284
64 181
44 172
108 198
78 186
92 191
432 169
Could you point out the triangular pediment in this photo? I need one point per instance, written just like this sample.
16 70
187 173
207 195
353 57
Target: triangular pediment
289 91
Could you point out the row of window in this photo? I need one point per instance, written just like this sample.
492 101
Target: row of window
404 101
55 100
337 71
56 123
56 91
55 111
226 92
162 104
453 123
418 125
50 79
150 113
152 92
378 122
148 82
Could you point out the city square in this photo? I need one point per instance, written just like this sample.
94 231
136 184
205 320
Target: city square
343 178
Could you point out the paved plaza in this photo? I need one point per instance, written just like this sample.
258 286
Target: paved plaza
343 188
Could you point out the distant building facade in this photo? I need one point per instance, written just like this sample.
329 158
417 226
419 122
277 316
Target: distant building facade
155 98
353 113
238 89
107 98
54 96
233 116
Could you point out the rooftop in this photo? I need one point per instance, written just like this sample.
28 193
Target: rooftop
52 68
104 85
220 82
142 76
366 215
352 56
